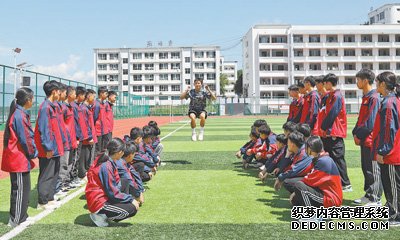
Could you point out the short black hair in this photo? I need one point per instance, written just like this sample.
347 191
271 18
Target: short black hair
300 84
50 86
198 80
311 80
254 133
332 78
147 131
297 138
89 91
366 74
304 128
130 148
264 129
319 79
294 87
101 90
259 122
289 126
110 93
281 138
314 143
80 91
70 89
135 133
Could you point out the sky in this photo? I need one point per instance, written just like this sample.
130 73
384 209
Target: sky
58 37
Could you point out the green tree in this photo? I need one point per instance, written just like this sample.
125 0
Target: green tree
239 83
223 82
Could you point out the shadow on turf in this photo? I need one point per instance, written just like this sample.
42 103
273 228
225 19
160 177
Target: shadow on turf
4 217
84 220
181 162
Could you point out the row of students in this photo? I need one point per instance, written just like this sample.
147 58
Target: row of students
63 127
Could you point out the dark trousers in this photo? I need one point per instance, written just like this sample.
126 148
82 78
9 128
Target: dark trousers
48 175
289 183
101 144
72 162
85 159
119 211
19 197
336 150
106 139
307 196
139 167
390 175
372 172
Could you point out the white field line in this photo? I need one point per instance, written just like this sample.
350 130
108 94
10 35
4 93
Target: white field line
32 220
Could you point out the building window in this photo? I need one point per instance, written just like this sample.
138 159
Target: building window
164 77
149 66
175 55
187 59
350 80
350 94
102 56
279 81
263 39
349 38
299 67
369 66
187 81
315 66
187 70
331 38
265 67
149 77
164 88
198 54
349 66
102 67
381 16
149 88
113 78
199 76
298 52
210 76
332 67
113 66
366 38
279 53
136 88
212 87
175 66
384 52
397 38
397 51
124 60
265 81
161 98
124 71
137 55
149 55
279 67
163 55
163 66
211 54
366 52
279 39
199 65
397 66
175 88
101 78
314 38
137 77
332 52
137 66
211 65
125 82
372 20
298 38
383 38
175 77
264 53
113 56
314 52
349 52
114 88
384 66
175 97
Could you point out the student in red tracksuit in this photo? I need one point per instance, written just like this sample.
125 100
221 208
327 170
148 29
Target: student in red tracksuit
109 119
18 151
99 116
386 142
104 197
296 106
49 142
322 186
362 134
69 120
311 105
334 128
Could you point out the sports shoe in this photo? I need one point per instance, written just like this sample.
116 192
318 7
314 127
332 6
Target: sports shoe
362 201
394 223
49 205
347 188
373 204
99 219
201 135
194 138
60 194
11 223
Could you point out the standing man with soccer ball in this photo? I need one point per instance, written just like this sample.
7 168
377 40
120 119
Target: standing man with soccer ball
197 106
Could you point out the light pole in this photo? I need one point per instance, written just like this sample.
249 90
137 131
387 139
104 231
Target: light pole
15 50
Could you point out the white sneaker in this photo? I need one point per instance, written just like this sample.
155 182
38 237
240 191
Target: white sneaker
194 138
99 219
201 136
347 188
363 200
11 223
373 204
59 195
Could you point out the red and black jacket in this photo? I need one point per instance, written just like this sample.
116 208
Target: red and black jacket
335 122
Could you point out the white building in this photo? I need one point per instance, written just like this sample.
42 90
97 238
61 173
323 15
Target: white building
160 73
275 56
387 14
229 68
